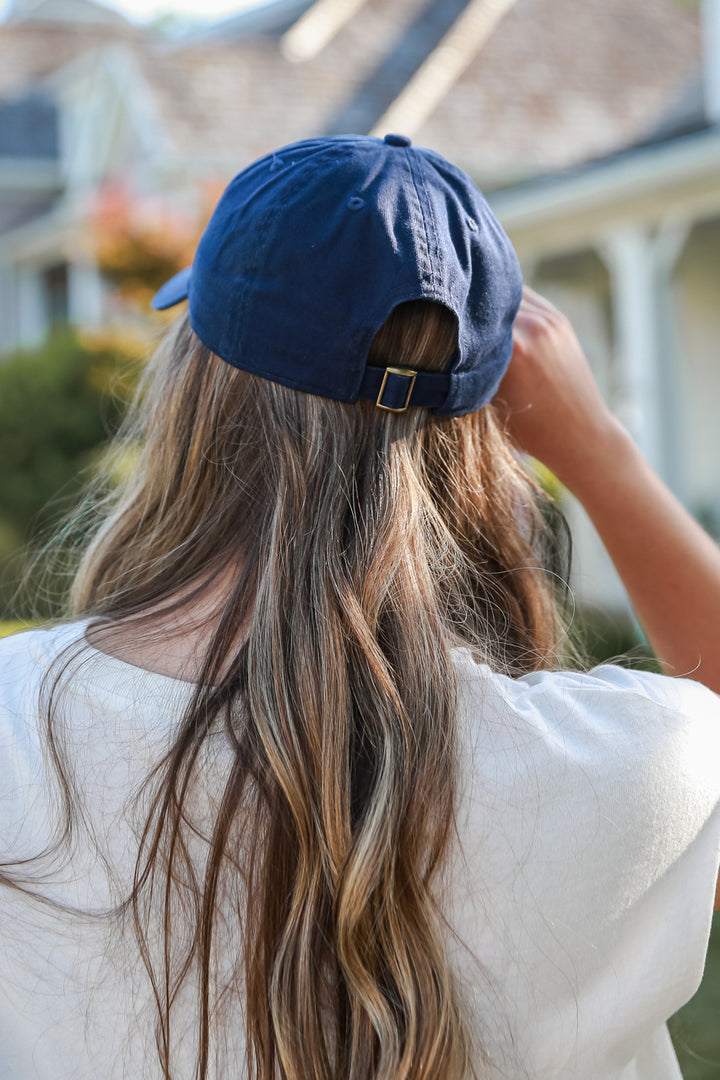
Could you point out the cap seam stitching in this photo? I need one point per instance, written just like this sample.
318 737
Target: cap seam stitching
425 276
433 261
436 248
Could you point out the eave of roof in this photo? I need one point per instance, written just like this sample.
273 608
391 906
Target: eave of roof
271 18
636 172
28 174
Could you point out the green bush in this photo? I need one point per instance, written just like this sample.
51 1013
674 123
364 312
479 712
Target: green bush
59 404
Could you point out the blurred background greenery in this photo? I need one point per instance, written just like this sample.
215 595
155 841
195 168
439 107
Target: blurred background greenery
59 406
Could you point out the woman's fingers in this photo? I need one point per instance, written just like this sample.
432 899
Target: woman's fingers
533 300
548 398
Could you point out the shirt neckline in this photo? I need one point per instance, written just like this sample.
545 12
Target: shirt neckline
125 665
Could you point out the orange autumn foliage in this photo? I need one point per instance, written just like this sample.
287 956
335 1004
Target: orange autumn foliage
142 240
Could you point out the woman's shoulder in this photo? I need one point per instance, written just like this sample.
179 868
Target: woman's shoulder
607 688
611 756
26 784
26 656
40 643
40 656
608 720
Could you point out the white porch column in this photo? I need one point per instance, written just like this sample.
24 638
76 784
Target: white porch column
8 308
641 264
628 253
31 311
85 294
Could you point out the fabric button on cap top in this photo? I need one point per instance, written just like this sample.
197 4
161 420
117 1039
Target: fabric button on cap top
398 140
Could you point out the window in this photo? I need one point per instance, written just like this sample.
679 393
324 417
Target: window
55 282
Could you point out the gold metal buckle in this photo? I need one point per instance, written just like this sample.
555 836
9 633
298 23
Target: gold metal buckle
396 371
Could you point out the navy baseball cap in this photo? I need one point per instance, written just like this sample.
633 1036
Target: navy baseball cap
311 248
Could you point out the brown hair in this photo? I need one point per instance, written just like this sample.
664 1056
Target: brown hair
352 549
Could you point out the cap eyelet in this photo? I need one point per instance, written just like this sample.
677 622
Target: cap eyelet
355 202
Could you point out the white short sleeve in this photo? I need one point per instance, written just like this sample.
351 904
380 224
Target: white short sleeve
592 826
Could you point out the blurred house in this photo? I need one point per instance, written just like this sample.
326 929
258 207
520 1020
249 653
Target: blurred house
594 127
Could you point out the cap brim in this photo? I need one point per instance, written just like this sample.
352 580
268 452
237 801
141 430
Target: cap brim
173 291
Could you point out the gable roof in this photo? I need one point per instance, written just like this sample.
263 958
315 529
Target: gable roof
556 83
32 50
376 93
560 82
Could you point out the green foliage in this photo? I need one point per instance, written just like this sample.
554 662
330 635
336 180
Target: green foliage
56 412
694 1029
605 636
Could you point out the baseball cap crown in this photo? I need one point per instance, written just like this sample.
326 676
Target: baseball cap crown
311 248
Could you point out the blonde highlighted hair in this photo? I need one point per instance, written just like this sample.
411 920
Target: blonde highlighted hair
353 549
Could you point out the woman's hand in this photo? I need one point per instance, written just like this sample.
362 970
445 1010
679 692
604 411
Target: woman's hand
548 398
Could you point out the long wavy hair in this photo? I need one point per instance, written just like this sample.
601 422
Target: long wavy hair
348 550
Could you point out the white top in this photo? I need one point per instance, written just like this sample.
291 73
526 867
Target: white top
589 824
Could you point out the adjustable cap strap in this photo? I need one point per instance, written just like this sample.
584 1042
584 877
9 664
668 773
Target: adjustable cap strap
398 389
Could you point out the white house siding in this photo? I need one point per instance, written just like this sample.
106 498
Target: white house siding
698 309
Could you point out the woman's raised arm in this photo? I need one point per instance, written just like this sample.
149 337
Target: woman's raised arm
668 563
